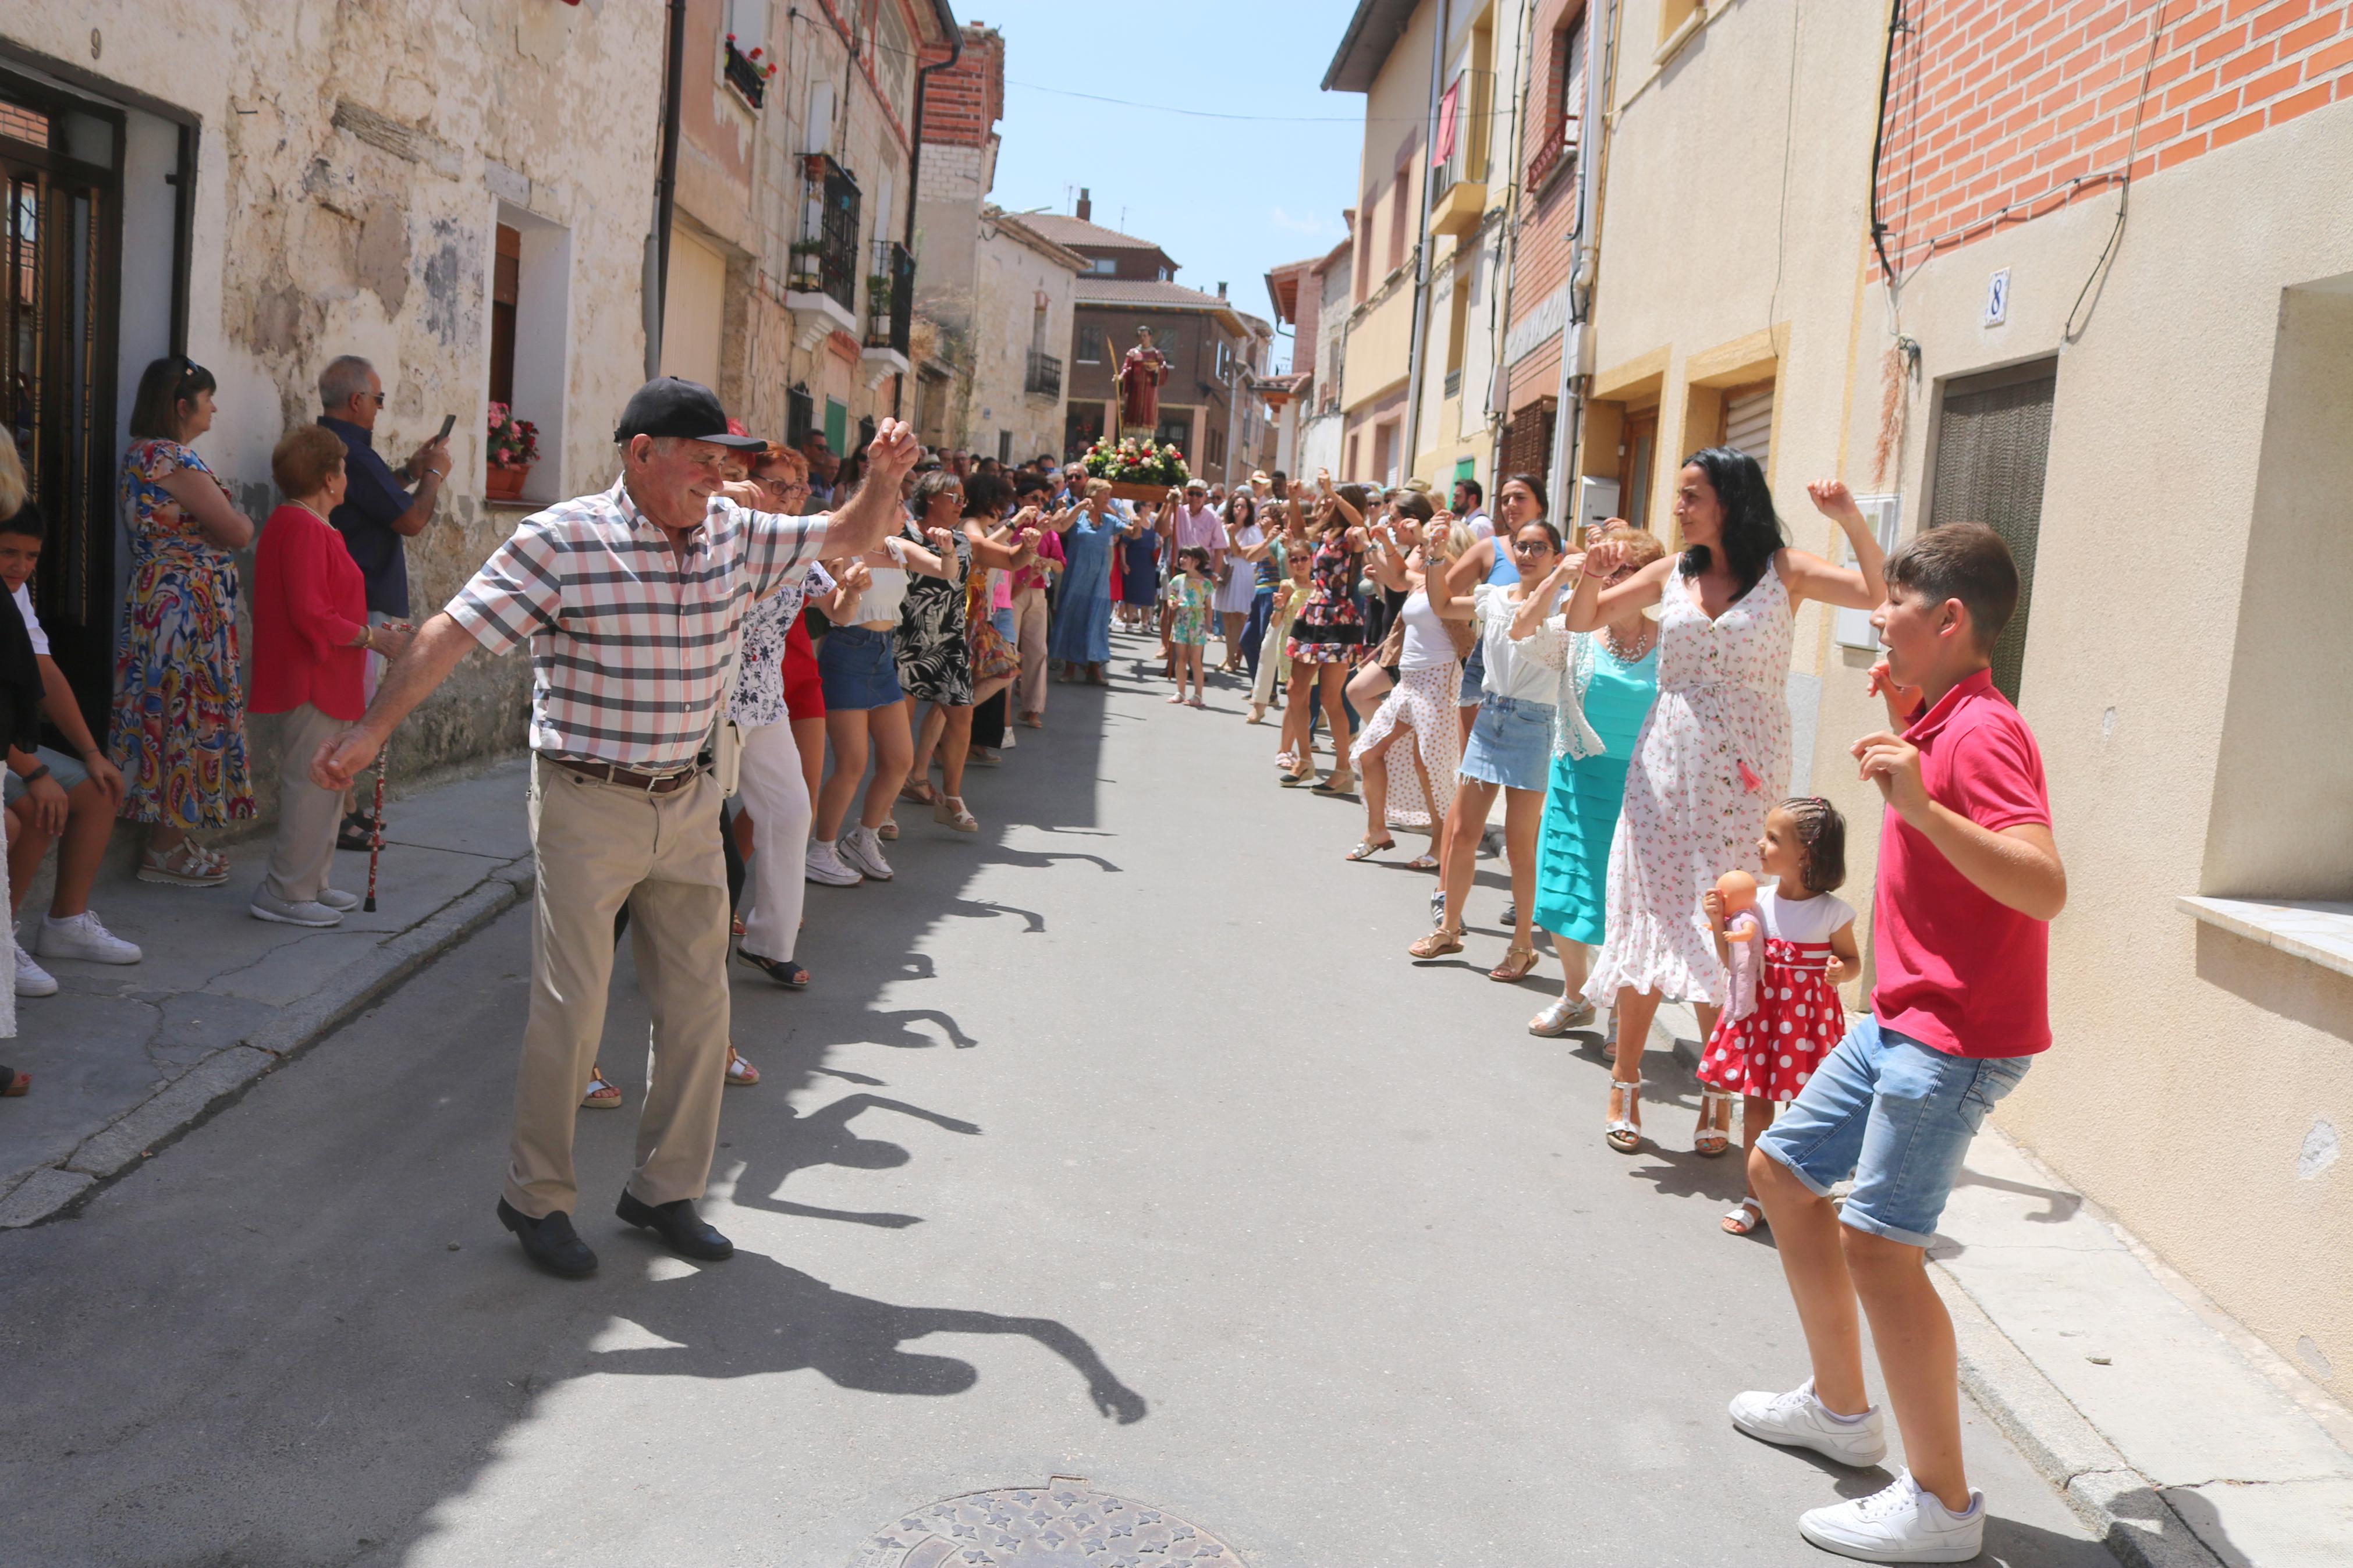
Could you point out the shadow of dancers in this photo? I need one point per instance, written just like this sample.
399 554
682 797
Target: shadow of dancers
752 1315
823 1137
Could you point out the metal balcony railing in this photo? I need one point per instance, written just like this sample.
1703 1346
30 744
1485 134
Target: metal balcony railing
890 295
825 257
1045 376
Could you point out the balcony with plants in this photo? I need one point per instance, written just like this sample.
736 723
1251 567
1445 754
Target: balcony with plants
821 285
890 310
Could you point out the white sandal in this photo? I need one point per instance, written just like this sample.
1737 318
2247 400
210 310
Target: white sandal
1566 1012
1708 1100
1743 1217
949 808
1624 1133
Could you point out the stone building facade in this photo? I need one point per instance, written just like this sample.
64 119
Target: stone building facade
1022 320
266 185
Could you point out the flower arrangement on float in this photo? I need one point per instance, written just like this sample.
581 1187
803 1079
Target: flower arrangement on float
1129 461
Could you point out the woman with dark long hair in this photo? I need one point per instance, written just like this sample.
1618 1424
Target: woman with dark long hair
1714 752
1328 632
1239 584
179 696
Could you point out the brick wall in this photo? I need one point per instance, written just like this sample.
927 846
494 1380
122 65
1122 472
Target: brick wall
1999 110
964 103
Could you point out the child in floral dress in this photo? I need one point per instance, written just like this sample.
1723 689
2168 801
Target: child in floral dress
1766 1053
1188 627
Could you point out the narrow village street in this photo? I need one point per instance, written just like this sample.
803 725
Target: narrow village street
1121 1146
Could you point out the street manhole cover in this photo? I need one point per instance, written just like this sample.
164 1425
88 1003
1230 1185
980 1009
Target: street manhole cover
1064 1524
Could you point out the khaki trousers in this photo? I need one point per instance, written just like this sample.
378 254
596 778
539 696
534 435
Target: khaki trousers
596 846
1031 620
303 853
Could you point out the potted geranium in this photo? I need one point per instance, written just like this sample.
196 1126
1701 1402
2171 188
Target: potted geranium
510 448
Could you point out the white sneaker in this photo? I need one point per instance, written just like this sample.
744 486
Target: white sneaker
32 980
339 900
1797 1420
824 866
81 936
269 906
1900 1524
861 850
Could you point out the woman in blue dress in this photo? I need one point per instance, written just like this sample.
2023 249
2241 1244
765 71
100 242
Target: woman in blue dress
1139 571
1081 631
1608 679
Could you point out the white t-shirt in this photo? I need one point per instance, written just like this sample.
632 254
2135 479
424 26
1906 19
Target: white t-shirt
1514 669
1427 646
1479 525
1802 919
23 598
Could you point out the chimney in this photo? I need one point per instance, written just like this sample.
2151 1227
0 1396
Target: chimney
1221 290
1086 205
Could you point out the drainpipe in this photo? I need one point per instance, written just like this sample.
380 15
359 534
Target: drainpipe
665 191
1421 344
1500 300
915 158
1568 414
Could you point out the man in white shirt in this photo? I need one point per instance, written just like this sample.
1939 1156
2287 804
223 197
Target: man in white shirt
1471 506
51 796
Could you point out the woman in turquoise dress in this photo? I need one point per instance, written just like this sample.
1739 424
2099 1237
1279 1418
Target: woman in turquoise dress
1608 679
178 730
1082 630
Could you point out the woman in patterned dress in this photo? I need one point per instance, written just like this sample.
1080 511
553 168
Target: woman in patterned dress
935 646
1714 752
1328 634
179 732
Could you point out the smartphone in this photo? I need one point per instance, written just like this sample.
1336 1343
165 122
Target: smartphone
448 422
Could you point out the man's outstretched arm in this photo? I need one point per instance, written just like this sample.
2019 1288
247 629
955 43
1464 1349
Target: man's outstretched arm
431 655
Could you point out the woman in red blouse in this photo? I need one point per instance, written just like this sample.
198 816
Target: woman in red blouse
310 643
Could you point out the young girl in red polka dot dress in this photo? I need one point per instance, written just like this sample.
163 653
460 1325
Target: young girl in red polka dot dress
1767 1055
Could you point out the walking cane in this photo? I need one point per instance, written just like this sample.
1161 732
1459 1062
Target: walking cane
375 835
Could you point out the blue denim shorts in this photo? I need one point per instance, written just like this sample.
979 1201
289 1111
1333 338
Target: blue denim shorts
1511 743
1895 1115
1474 674
860 669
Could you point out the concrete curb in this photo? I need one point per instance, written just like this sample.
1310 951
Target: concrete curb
220 1080
2118 1503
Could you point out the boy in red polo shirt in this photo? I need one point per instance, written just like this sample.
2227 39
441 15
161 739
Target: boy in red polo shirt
1968 880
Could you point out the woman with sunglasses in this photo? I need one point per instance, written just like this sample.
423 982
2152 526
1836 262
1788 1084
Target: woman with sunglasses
1606 681
179 699
1510 747
935 646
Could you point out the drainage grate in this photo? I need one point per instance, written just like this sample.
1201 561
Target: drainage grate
1064 1524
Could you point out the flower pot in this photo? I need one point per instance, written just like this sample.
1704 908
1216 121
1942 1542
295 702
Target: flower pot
504 484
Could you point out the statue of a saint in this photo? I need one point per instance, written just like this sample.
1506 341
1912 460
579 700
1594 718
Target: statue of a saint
1140 376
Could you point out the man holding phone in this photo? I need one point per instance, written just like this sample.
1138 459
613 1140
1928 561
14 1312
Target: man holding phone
379 511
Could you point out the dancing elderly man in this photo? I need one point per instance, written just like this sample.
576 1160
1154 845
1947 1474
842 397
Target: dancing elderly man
631 599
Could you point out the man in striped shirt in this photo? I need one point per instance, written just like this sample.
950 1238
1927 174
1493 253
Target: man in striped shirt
631 600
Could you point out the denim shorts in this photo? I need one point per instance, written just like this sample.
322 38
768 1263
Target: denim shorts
1511 743
1001 618
1895 1115
67 770
1474 674
860 669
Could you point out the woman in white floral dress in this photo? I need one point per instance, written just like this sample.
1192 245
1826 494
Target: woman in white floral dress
1714 752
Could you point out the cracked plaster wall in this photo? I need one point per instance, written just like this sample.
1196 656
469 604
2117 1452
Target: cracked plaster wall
344 204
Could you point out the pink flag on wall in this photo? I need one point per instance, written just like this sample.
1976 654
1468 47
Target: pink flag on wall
1443 147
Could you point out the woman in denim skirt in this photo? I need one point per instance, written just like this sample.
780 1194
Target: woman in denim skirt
1511 740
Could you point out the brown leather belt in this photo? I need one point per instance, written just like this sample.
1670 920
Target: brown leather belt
652 784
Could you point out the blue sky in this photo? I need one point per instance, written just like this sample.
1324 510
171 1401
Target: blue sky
1227 198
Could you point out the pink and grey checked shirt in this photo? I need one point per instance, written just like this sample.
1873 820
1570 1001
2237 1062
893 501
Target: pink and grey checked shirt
629 639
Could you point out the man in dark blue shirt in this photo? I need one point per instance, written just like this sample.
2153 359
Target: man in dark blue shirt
377 515
378 512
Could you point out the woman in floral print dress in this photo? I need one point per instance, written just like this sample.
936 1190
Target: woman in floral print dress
1714 752
179 732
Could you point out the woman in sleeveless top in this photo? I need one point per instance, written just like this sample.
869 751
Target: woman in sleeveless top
1714 752
179 698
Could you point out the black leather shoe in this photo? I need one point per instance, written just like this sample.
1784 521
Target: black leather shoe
549 1242
679 1227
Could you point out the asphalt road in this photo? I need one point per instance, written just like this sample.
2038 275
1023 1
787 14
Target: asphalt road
1121 1143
